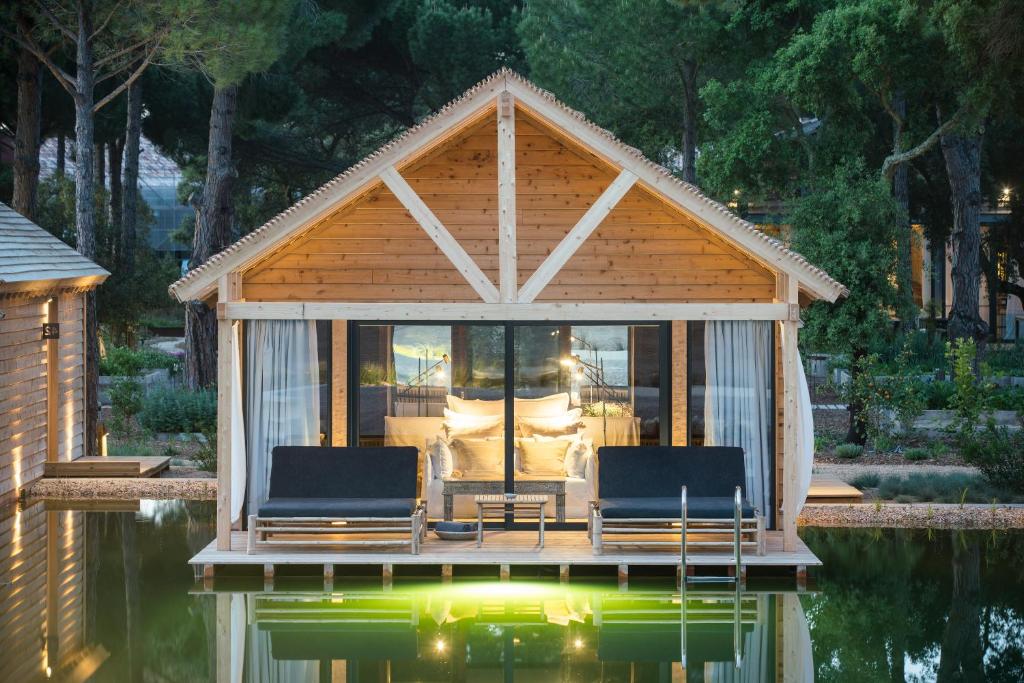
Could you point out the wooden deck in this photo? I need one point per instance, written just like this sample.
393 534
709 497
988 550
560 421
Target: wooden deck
109 466
501 548
831 490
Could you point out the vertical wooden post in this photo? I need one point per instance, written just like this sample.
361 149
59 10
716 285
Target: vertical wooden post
229 289
679 371
507 261
52 381
788 290
223 621
339 382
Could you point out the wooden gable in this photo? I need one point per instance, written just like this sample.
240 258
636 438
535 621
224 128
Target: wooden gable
371 248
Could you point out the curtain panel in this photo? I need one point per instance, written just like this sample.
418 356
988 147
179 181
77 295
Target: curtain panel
738 399
282 396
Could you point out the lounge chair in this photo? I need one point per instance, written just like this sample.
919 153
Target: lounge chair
646 492
366 493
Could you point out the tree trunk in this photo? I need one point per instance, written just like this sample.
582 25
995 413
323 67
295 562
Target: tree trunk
114 150
906 308
962 154
132 598
85 210
101 170
214 218
688 167
961 657
26 136
130 188
61 153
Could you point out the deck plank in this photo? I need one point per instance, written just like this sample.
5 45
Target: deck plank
107 466
825 489
500 547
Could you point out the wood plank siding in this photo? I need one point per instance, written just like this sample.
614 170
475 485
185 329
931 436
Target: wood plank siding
372 249
23 387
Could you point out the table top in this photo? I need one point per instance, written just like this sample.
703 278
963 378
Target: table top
514 499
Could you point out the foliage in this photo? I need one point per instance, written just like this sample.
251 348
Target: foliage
998 452
917 454
939 394
1005 398
939 487
126 402
373 374
849 450
1006 361
866 480
967 397
901 394
171 409
122 361
205 455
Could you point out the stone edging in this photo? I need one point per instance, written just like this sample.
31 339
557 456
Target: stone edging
914 516
122 488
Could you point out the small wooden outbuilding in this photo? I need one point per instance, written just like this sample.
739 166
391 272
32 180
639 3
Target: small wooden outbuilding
507 249
43 283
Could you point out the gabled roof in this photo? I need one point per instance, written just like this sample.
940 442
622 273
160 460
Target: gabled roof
32 259
202 281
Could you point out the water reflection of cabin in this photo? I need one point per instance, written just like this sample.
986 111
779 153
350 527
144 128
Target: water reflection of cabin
506 249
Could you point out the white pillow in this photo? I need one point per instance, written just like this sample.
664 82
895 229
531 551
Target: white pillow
577 457
564 424
474 426
546 406
476 406
441 460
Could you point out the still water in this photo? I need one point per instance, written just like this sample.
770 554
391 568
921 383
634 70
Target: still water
108 596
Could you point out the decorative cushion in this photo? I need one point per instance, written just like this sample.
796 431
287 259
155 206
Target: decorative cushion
546 406
543 457
476 406
478 458
442 462
338 507
457 425
559 425
577 456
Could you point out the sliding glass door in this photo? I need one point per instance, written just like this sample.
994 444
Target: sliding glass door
508 407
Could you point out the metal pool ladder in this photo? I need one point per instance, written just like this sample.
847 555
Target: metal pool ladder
706 527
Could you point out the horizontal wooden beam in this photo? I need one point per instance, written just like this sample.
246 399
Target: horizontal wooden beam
498 312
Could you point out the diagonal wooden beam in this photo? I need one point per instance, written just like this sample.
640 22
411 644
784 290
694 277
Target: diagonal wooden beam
462 261
561 254
507 260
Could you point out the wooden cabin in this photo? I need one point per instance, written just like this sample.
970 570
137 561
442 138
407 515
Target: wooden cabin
504 274
43 283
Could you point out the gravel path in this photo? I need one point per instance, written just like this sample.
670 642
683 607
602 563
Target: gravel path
123 488
848 472
914 516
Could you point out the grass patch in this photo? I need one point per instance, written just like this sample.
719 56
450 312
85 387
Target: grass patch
916 454
936 487
849 450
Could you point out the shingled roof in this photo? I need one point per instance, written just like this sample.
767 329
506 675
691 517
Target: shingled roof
32 259
201 281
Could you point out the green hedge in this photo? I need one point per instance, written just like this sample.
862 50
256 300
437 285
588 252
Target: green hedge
122 361
167 409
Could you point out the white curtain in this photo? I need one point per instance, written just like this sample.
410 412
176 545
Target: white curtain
805 437
263 668
237 426
738 398
283 397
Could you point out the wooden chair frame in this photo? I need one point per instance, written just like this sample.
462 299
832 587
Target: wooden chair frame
410 531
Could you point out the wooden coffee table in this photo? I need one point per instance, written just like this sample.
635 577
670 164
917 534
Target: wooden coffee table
498 504
482 487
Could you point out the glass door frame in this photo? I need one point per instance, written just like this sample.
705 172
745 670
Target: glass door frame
664 389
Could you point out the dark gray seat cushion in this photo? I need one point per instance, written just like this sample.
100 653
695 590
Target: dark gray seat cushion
661 471
364 472
664 507
338 507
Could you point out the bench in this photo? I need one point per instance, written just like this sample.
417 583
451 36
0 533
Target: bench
340 497
646 492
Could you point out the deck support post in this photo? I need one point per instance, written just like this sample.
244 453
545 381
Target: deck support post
387 575
623 576
208 577
328 577
787 289
504 573
563 573
268 576
446 573
229 290
801 577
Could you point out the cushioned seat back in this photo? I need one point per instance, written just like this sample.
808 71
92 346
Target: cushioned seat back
644 471
314 472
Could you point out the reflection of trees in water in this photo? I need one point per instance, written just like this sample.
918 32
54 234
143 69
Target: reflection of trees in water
950 603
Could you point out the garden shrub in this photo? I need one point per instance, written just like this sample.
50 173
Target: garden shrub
866 480
916 454
205 456
938 487
998 452
121 361
1007 361
1006 398
171 409
967 394
126 402
849 450
901 394
938 395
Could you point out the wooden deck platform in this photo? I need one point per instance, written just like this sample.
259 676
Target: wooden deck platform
831 490
563 549
107 466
